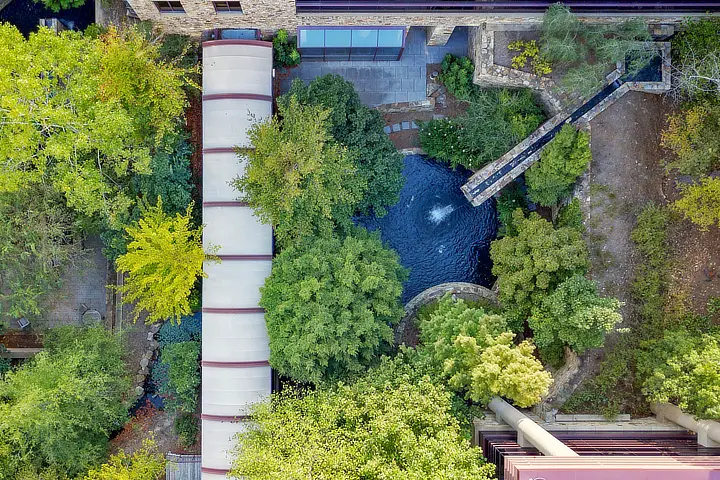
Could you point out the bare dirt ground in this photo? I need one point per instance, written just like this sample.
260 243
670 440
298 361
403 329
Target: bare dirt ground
696 260
625 174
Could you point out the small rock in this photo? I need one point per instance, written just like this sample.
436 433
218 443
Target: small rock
155 327
144 371
150 336
139 378
154 345
144 363
147 355
139 391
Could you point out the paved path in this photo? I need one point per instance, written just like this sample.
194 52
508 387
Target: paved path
382 83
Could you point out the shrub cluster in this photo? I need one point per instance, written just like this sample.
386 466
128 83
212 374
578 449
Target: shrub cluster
495 121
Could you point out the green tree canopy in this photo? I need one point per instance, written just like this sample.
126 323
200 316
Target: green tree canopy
145 463
297 179
683 368
164 259
83 114
534 262
170 180
360 129
330 304
37 242
692 138
573 315
382 426
475 352
562 161
183 360
495 121
57 5
59 409
700 203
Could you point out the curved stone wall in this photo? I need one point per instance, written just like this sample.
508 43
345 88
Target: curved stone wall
466 291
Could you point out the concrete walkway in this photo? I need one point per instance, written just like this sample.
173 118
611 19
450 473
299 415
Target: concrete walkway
382 83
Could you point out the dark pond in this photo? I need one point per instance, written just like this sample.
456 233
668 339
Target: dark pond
440 237
24 14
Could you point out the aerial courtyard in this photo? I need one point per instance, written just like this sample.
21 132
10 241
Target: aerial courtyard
340 240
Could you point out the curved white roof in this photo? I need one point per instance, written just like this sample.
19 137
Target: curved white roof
237 92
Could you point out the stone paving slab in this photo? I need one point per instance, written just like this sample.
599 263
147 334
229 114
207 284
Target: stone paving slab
386 82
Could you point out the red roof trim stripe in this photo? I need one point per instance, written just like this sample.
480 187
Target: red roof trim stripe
237 96
224 418
207 151
237 41
255 364
245 258
234 203
216 471
233 310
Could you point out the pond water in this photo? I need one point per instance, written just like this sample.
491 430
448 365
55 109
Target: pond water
25 14
438 234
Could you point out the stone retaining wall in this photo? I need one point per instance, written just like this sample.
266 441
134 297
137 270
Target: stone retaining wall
270 15
466 291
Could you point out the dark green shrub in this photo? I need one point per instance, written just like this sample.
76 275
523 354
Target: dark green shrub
183 375
511 198
360 129
188 329
571 216
457 76
57 5
94 30
651 277
440 139
186 428
496 120
285 54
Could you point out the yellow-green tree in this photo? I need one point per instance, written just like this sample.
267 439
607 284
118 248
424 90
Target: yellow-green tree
297 178
700 203
164 259
387 425
147 463
84 114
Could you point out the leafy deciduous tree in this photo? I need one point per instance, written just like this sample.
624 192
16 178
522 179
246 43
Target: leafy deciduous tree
562 161
295 178
684 369
146 463
183 375
376 428
37 242
83 114
534 262
58 410
476 353
360 129
700 203
330 304
164 259
692 137
573 315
